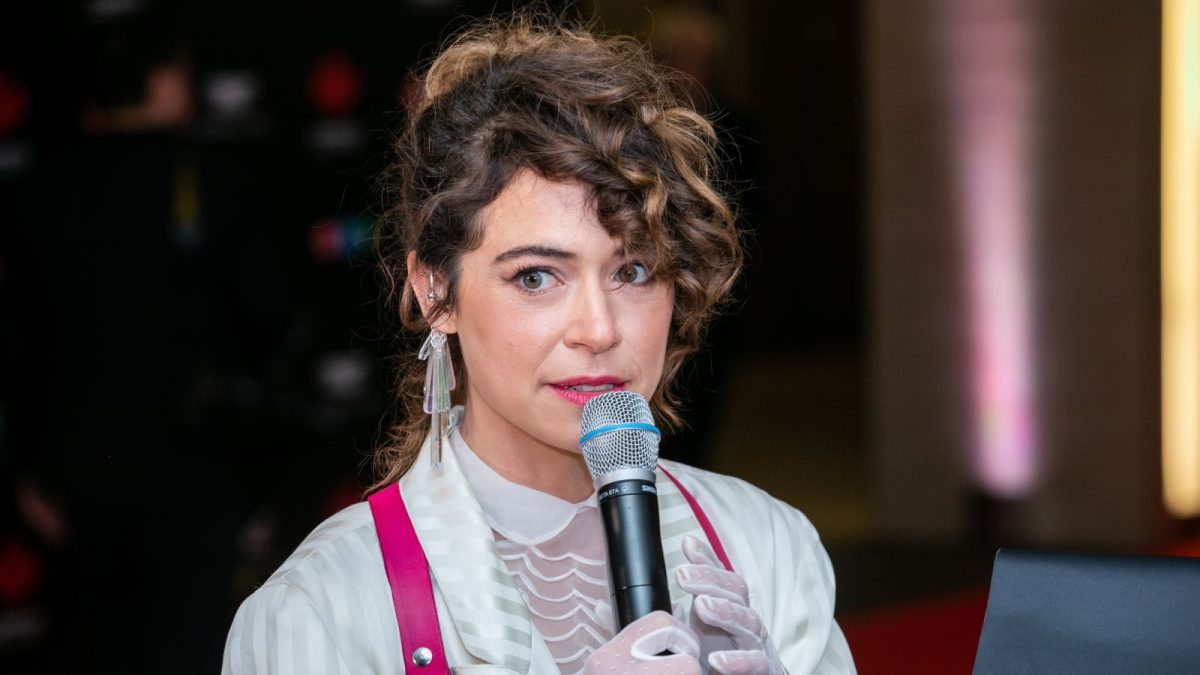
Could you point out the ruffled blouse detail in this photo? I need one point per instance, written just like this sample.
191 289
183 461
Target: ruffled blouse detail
554 551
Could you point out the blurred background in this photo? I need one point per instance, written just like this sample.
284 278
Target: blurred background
971 315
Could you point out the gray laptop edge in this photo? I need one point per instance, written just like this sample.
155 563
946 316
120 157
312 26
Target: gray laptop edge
1082 613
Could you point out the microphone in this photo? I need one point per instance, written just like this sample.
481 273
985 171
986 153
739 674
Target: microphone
620 445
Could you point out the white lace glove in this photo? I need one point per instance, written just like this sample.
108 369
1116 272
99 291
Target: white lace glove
733 636
637 647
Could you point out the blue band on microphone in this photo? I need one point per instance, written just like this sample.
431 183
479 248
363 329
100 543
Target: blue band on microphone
641 426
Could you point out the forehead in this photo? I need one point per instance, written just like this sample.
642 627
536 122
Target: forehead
533 210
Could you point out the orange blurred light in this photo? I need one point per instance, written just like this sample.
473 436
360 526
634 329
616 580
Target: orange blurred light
1180 251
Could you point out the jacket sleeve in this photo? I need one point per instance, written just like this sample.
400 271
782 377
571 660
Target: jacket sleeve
777 551
278 631
805 633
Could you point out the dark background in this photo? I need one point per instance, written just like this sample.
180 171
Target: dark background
195 362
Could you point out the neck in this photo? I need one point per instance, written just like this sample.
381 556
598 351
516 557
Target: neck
529 462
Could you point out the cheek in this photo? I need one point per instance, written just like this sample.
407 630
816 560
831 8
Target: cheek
503 337
515 325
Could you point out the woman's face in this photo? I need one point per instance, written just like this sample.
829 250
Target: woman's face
550 313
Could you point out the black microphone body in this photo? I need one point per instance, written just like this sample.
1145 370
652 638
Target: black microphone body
619 442
637 572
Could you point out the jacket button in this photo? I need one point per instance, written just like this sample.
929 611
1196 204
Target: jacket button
422 656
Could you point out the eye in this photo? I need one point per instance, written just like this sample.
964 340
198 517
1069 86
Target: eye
633 273
534 279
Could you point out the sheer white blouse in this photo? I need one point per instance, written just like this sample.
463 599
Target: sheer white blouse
555 552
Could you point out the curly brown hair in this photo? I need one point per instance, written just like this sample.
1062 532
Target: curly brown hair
526 92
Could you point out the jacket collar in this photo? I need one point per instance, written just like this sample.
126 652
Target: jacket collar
676 521
486 606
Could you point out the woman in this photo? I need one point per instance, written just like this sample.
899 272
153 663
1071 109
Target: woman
556 233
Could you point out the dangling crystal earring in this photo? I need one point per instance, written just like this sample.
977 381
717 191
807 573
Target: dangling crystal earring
439 382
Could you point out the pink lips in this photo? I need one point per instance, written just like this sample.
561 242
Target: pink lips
579 398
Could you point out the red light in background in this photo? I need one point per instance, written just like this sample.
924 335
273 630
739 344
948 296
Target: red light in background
335 84
21 571
325 241
14 103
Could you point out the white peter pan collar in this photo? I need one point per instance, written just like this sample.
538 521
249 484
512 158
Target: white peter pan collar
518 513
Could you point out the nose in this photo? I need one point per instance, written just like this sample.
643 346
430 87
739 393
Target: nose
593 320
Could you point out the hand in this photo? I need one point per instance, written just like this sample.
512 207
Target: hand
734 637
637 649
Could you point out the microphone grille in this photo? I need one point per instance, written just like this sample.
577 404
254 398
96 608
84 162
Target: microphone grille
608 450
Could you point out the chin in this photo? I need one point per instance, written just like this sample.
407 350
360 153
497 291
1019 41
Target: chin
569 443
565 438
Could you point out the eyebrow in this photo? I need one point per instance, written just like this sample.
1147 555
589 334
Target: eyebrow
543 251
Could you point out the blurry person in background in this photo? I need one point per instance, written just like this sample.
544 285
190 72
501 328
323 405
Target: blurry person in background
557 229
165 104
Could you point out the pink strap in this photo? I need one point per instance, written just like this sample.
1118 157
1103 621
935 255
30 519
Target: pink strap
412 590
705 524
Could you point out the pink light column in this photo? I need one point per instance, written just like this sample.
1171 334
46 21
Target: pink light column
987 55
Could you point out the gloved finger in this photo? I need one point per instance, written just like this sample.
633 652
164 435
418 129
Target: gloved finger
740 662
739 621
660 632
720 583
699 552
638 649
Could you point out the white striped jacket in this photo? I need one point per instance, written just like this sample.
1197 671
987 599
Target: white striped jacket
328 608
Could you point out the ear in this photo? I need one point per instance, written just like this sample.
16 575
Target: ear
419 278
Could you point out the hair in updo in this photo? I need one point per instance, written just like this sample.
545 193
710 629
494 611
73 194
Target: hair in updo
526 92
